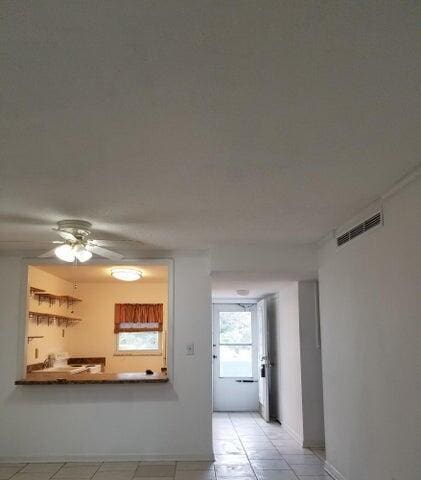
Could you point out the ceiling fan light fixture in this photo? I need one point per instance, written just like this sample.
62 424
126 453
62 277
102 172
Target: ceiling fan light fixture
126 274
65 252
82 254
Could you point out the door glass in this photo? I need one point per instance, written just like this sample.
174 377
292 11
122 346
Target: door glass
235 345
235 328
235 361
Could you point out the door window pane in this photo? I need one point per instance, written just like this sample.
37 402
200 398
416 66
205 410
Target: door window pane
235 361
235 327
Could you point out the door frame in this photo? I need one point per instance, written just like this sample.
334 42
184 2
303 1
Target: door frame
264 360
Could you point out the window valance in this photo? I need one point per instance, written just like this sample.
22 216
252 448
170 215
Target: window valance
138 317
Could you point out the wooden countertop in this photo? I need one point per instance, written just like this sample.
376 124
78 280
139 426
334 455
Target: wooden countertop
55 378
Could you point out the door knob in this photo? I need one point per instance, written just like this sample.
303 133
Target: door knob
214 356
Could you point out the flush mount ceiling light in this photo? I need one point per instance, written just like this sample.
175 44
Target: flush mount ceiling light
243 293
126 274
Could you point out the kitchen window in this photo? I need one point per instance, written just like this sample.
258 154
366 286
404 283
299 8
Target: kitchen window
138 343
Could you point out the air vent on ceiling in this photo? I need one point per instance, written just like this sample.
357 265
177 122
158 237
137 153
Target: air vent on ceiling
360 229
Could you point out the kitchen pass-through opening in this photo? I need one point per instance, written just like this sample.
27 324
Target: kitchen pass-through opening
97 319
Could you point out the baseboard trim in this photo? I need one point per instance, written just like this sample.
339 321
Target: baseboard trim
293 434
333 472
316 445
106 458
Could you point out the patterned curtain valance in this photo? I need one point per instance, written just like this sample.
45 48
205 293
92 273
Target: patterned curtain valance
138 317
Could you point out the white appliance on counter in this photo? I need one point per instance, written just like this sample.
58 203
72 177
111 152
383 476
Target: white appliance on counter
60 360
61 365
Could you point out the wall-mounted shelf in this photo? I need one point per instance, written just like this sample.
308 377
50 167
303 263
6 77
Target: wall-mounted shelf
50 318
67 321
33 290
34 336
45 297
68 300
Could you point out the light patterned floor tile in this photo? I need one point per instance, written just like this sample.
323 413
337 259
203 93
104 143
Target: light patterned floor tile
234 471
118 466
82 464
195 475
302 459
32 476
276 475
294 451
272 454
231 460
155 471
79 472
309 469
42 468
237 478
183 466
6 471
114 475
270 465
314 477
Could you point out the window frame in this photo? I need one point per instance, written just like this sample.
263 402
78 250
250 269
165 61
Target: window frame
133 353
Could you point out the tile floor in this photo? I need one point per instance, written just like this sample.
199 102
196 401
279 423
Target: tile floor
245 446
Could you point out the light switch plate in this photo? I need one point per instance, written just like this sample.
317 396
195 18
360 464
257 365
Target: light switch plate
190 349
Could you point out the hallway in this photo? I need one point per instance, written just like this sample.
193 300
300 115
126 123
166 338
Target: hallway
246 447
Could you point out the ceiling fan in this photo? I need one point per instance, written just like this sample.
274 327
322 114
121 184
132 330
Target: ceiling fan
76 244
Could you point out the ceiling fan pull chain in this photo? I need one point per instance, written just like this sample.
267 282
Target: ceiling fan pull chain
74 266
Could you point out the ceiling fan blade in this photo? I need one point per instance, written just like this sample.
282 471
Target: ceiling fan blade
103 252
26 242
66 235
105 243
48 254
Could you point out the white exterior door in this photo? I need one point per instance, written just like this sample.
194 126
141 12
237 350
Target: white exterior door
263 359
235 370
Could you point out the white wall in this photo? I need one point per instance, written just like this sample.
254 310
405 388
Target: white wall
290 406
291 262
112 421
95 337
311 365
297 374
371 331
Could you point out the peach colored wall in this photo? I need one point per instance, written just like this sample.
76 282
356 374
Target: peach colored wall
94 336
53 340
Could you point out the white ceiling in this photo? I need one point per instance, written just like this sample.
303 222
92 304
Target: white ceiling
102 273
191 124
225 285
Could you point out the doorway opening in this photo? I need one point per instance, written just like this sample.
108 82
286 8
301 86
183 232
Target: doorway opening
267 352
